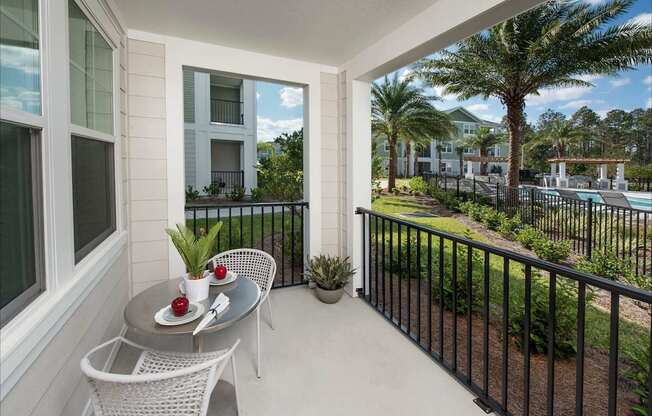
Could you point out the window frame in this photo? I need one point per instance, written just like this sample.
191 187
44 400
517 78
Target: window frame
25 299
37 123
85 254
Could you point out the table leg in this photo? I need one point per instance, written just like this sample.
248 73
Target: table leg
198 343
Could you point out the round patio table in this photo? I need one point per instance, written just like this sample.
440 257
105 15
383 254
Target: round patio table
243 293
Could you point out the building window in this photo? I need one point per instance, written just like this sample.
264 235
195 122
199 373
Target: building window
448 148
20 69
21 272
93 192
469 150
469 128
91 74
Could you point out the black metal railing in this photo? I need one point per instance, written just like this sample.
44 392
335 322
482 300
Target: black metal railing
523 334
226 180
589 226
276 228
227 111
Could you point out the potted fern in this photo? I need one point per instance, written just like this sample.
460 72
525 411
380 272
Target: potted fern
195 252
330 275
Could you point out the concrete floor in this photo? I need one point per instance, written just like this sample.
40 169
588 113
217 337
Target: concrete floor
333 360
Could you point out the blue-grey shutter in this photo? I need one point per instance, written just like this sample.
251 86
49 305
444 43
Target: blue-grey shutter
189 96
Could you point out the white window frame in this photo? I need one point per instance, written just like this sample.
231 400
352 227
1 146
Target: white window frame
67 284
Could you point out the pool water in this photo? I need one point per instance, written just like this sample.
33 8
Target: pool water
644 204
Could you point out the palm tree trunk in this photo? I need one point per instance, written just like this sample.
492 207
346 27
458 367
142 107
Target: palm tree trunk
483 165
514 122
461 164
408 158
391 182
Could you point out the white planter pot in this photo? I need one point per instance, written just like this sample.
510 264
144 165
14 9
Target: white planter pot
197 289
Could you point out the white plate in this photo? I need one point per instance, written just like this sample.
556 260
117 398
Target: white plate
230 277
165 316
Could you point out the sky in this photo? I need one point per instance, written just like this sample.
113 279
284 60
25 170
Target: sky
280 108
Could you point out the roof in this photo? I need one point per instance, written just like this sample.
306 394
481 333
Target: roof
587 160
472 116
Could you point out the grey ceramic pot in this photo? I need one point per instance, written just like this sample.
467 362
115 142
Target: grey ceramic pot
328 296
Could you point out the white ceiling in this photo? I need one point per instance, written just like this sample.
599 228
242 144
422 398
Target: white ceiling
329 32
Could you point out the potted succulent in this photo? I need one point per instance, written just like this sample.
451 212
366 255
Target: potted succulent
195 252
330 275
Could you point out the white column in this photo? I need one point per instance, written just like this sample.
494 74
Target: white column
469 168
603 181
621 183
553 169
358 174
562 180
603 172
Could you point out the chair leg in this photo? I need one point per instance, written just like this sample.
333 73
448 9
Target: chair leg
269 305
258 370
235 384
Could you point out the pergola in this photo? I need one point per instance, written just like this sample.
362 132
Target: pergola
482 159
603 181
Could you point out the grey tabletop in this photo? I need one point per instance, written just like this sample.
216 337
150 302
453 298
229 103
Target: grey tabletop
243 293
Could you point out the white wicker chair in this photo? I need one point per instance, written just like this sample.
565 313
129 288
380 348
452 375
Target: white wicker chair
261 268
161 384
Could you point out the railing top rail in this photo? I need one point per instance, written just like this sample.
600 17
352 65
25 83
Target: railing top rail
247 205
592 280
227 171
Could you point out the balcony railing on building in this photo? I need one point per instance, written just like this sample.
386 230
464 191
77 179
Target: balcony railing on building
226 180
226 111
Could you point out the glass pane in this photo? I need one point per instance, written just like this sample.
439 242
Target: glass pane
91 74
17 254
20 72
93 193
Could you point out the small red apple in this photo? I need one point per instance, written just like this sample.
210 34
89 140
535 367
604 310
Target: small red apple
220 271
180 306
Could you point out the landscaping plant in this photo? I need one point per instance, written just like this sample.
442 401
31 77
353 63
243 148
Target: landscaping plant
195 251
213 189
418 184
237 193
257 194
509 227
554 251
191 194
607 264
528 236
329 273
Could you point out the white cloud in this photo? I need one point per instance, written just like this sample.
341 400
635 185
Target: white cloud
620 82
602 113
649 103
643 19
269 129
404 74
439 92
648 80
575 104
477 107
547 96
291 97
20 59
594 2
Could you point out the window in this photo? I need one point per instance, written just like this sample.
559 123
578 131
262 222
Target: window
93 193
91 74
494 151
469 150
21 274
469 128
448 148
20 70
91 106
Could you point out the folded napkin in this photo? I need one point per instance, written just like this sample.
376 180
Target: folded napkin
219 305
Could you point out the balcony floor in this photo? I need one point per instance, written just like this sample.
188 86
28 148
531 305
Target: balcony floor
341 359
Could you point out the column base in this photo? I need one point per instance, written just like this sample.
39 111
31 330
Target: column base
621 186
602 184
562 182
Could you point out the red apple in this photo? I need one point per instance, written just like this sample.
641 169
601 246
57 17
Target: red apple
180 306
220 271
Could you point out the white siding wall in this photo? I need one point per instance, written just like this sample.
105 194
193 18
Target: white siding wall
331 175
147 160
343 204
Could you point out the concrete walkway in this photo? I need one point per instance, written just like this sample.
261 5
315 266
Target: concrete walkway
334 360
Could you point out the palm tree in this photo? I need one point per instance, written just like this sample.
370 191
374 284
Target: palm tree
419 143
460 154
440 148
561 135
400 111
483 139
558 44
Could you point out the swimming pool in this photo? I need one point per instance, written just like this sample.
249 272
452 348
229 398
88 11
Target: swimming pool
636 200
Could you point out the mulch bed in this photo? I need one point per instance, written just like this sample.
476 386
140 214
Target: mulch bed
595 368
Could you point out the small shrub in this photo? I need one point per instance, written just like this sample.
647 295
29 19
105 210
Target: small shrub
329 273
257 194
639 357
608 265
417 184
566 315
191 194
492 218
213 189
528 236
236 194
509 226
554 251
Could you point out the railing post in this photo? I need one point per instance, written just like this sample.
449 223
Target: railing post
457 187
474 189
589 228
531 198
445 183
